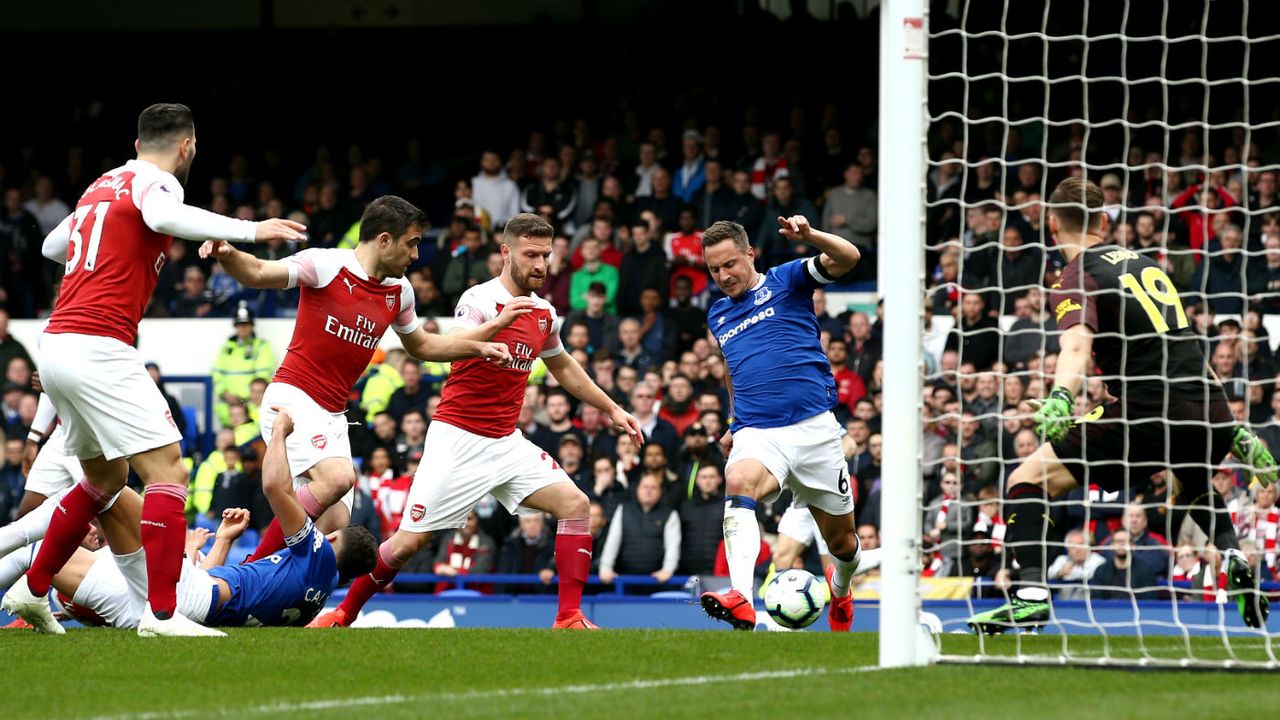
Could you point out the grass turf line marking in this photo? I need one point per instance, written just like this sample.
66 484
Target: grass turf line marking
399 699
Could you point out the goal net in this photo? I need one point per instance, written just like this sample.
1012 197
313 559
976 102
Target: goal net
1172 111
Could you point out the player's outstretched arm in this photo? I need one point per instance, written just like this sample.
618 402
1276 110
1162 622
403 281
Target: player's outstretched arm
234 522
164 213
429 347
486 330
277 481
838 255
574 379
55 243
248 270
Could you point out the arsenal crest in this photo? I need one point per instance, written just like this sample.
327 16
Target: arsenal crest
319 441
416 512
542 325
391 300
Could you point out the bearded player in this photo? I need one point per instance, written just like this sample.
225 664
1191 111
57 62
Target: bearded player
349 298
473 447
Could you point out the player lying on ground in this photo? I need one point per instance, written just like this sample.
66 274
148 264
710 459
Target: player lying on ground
473 447
781 392
348 300
1119 309
287 588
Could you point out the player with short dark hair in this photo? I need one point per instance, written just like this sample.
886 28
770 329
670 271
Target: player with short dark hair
1118 310
781 391
348 299
473 444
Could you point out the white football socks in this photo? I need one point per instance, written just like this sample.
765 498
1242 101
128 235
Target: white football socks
741 547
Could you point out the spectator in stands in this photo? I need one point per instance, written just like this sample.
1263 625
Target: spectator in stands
45 207
529 550
869 475
977 454
1121 576
25 277
469 265
850 210
686 321
644 535
12 480
630 353
466 551
701 520
551 190
559 423
986 405
641 185
743 207
1020 269
977 335
944 297
1148 548
1270 432
664 205
691 176
242 358
783 202
413 395
569 454
10 347
864 350
944 519
683 248
175 408
644 266
556 289
715 200
678 406
697 453
195 300
769 166
1077 565
409 444
1199 218
601 325
593 270
1262 525
1266 289
1224 278
495 192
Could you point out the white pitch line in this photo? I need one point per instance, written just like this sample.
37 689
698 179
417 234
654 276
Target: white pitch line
399 699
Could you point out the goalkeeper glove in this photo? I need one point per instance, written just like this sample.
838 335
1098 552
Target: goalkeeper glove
1053 416
1249 450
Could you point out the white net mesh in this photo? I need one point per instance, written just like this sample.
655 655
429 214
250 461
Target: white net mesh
1172 110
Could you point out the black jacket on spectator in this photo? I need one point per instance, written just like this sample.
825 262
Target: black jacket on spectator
980 343
667 209
687 466
745 209
664 433
701 529
643 545
519 557
640 271
1017 272
685 324
1025 339
1137 575
402 402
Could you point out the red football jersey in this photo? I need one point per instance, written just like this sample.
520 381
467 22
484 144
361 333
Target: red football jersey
113 258
342 316
479 396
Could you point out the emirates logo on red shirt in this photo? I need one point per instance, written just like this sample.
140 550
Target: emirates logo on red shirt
319 441
416 512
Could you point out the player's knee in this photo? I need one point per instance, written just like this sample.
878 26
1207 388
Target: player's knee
1025 474
843 545
740 481
575 506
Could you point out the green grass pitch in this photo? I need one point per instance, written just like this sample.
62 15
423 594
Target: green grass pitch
267 673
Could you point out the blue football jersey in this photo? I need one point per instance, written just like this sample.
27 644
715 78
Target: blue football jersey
769 337
288 588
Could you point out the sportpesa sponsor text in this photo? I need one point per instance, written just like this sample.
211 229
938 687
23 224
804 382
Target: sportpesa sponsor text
724 337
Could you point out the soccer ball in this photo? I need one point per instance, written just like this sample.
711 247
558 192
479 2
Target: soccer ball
795 599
